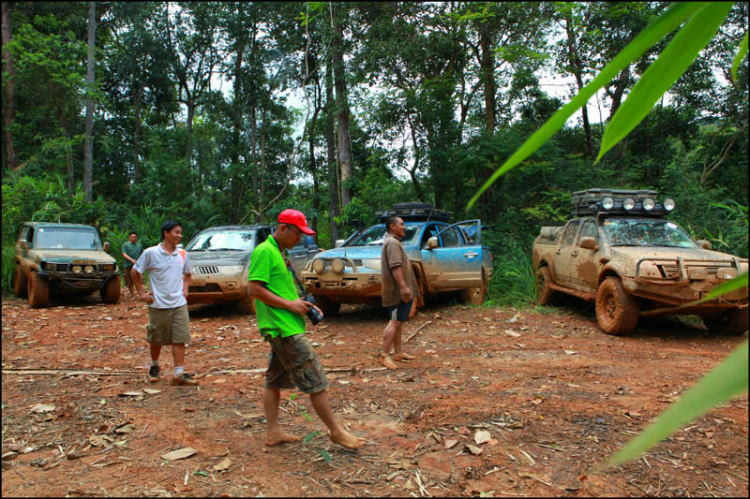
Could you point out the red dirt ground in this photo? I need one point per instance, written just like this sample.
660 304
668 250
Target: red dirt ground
555 394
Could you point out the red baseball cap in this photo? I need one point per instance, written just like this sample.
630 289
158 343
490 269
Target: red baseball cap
296 218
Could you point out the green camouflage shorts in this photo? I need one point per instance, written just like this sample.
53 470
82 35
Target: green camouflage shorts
292 362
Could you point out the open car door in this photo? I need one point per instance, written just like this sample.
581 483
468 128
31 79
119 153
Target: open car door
454 257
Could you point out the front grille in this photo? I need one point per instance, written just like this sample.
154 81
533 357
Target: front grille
208 269
208 288
62 267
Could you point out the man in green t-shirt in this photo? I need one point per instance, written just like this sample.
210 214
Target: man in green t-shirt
280 320
131 250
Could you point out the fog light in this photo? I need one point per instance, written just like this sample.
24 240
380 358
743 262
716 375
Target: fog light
319 265
607 202
628 203
669 204
337 266
88 269
77 269
648 204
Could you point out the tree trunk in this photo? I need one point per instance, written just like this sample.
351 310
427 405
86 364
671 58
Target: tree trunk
488 75
575 64
9 110
342 107
237 133
333 197
88 153
137 137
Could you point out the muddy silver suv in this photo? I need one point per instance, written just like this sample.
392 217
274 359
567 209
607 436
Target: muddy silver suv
63 258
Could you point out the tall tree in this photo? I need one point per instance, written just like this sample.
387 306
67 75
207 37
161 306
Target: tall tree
88 154
9 109
342 101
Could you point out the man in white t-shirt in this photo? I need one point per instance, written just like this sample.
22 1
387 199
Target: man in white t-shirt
168 268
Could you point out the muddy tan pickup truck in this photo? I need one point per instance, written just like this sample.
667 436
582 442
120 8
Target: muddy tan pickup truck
63 258
622 253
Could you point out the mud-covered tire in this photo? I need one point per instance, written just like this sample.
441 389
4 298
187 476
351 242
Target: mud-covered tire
732 323
38 290
544 294
475 296
110 292
20 283
328 307
616 310
246 304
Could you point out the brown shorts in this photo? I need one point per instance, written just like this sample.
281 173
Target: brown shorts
292 362
128 276
168 325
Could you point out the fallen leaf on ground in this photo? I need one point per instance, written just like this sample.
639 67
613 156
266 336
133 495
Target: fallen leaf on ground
449 444
482 436
41 408
223 465
151 391
131 394
474 450
570 352
125 429
179 454
512 333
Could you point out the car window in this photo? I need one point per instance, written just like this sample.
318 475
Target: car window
227 240
430 231
450 238
262 235
67 238
570 232
646 232
589 230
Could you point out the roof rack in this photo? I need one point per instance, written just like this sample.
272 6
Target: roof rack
620 202
415 212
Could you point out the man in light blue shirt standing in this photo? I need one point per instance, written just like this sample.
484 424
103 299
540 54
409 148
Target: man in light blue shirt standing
169 279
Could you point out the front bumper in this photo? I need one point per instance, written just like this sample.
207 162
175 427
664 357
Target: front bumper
78 283
351 286
216 290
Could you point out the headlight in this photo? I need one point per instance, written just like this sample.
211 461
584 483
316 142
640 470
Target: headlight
89 269
628 203
648 204
337 265
319 265
607 202
50 266
231 269
650 270
669 204
77 269
372 263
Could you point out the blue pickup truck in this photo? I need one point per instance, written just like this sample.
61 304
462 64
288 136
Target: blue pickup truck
446 257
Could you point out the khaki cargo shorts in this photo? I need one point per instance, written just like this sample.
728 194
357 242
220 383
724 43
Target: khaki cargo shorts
168 325
292 362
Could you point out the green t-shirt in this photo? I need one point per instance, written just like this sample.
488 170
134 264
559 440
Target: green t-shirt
133 251
268 266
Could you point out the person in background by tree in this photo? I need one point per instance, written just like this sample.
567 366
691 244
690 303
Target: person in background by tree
281 323
131 251
399 290
169 279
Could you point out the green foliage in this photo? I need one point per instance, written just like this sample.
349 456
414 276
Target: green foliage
513 282
9 265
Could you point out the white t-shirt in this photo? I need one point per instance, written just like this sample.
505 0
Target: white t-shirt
165 275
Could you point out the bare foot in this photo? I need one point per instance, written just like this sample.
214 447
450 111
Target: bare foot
279 438
347 440
388 362
403 356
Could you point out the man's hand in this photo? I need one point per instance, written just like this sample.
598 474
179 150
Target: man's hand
406 294
300 306
146 296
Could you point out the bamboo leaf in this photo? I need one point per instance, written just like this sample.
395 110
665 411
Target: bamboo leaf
655 31
728 379
664 72
741 53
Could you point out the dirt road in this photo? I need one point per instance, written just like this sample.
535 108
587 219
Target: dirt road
553 394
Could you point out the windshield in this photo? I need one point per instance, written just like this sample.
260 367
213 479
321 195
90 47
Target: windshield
78 238
640 232
375 235
234 240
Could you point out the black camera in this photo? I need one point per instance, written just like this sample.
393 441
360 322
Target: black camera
312 312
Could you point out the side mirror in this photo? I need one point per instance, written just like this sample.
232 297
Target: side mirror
704 244
24 245
432 243
106 246
339 242
588 243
